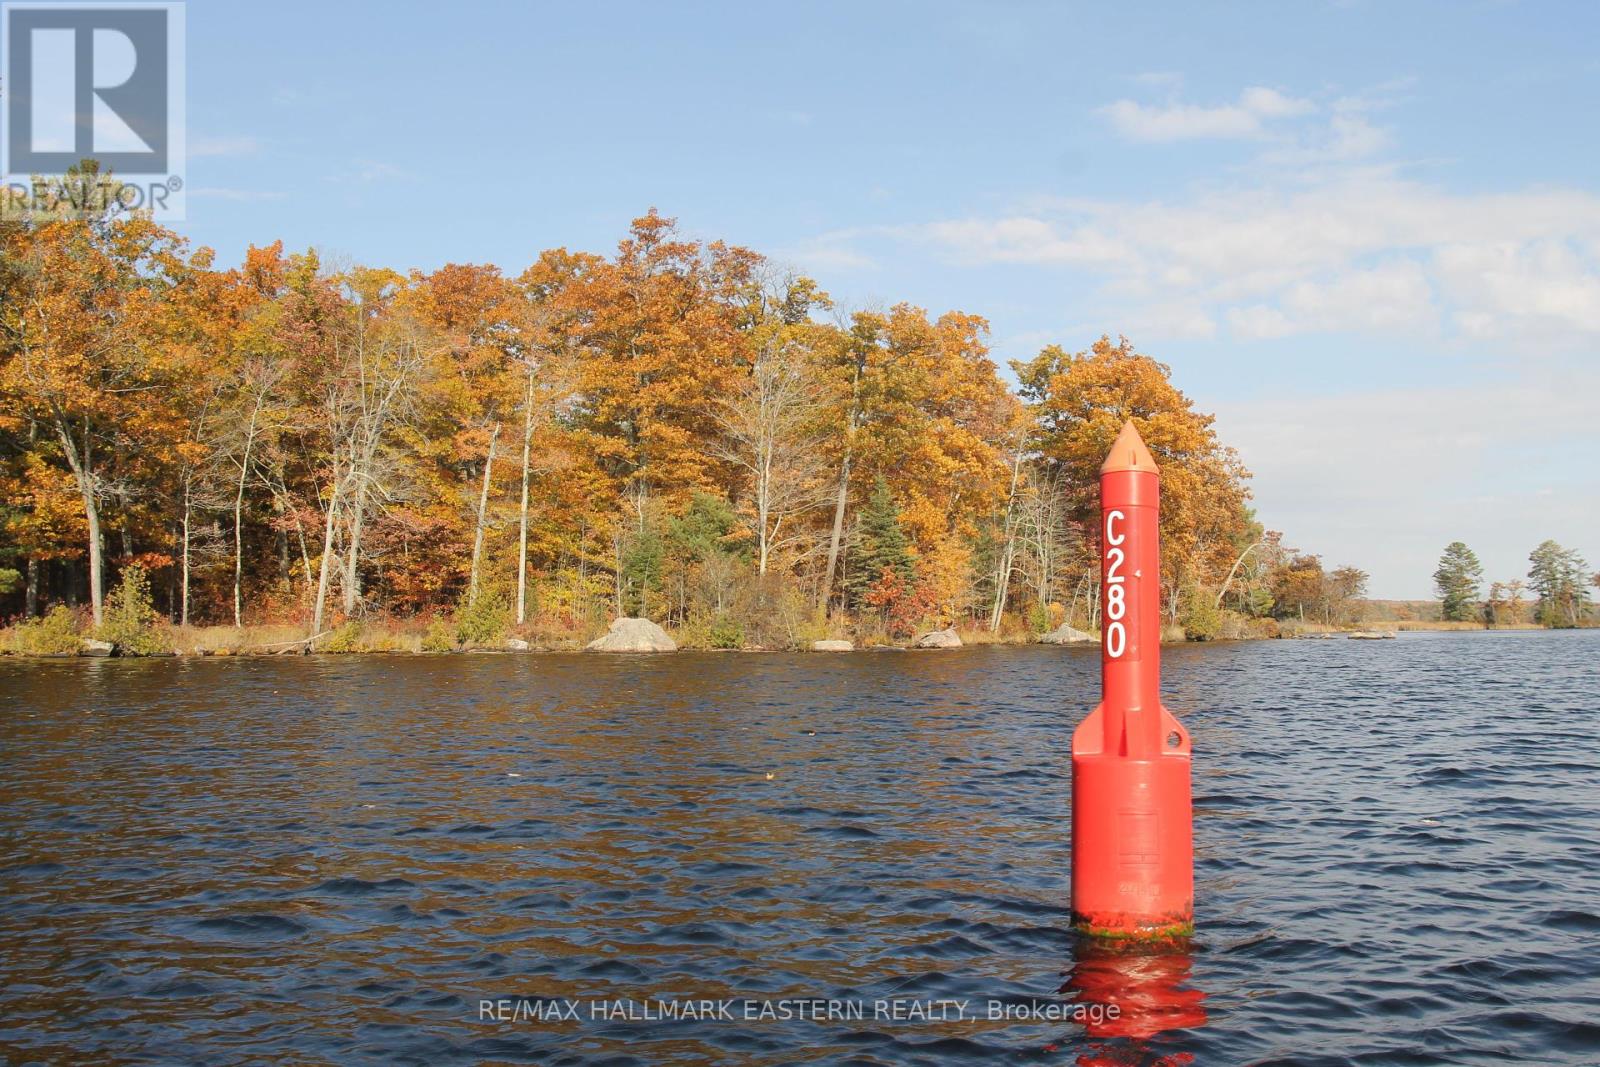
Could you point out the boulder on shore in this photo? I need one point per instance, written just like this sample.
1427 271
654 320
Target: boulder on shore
93 647
947 638
833 646
633 635
1066 635
516 644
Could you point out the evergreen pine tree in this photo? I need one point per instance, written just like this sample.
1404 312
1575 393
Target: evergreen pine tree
882 543
1559 576
1457 582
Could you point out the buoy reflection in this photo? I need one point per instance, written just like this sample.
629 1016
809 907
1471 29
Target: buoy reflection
1135 992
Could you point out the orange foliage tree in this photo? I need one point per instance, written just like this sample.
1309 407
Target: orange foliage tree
675 428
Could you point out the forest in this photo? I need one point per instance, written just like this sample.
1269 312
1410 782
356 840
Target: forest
679 430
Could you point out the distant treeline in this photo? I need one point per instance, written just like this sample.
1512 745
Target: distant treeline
679 430
1559 579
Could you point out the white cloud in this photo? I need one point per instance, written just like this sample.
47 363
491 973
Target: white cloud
1259 322
1271 104
1179 122
835 251
366 171
1346 138
1021 239
223 146
1395 297
1363 251
1183 122
1352 248
1545 282
1384 478
1378 97
1180 318
1299 131
213 192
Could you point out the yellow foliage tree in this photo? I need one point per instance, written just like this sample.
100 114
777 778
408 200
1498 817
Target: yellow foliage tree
1080 401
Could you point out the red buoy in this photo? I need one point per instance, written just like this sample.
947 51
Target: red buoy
1132 826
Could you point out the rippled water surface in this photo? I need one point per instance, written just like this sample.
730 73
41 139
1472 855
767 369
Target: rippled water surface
337 859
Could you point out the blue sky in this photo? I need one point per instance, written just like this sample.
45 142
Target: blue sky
1366 235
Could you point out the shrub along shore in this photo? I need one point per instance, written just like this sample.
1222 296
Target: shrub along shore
131 633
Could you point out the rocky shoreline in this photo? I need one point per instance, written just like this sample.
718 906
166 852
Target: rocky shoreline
623 636
641 637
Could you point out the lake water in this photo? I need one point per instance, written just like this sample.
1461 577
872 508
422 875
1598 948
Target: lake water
338 859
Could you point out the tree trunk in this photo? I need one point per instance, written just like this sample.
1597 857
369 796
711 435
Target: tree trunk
851 424
616 544
837 535
327 555
183 596
30 599
280 499
1002 579
238 557
1002 586
83 471
282 539
352 575
522 511
483 511
762 502
238 528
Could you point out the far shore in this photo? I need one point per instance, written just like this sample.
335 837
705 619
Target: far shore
258 641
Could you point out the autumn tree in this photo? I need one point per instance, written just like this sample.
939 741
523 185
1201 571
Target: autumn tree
368 388
1505 606
1080 401
770 423
259 403
1056 560
1297 585
1261 552
670 428
42 517
479 386
84 358
661 343
1344 588
848 359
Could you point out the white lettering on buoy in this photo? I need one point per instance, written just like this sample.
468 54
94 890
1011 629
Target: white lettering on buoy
1116 592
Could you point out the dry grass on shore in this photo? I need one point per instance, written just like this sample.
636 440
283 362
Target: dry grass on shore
231 639
1441 626
413 636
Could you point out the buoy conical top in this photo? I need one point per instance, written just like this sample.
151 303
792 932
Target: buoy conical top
1128 453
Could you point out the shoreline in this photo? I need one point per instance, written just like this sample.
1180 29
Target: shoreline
220 643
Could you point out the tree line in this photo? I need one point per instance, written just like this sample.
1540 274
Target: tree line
1559 579
679 430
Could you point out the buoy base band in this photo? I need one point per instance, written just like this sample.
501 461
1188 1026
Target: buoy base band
1102 929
